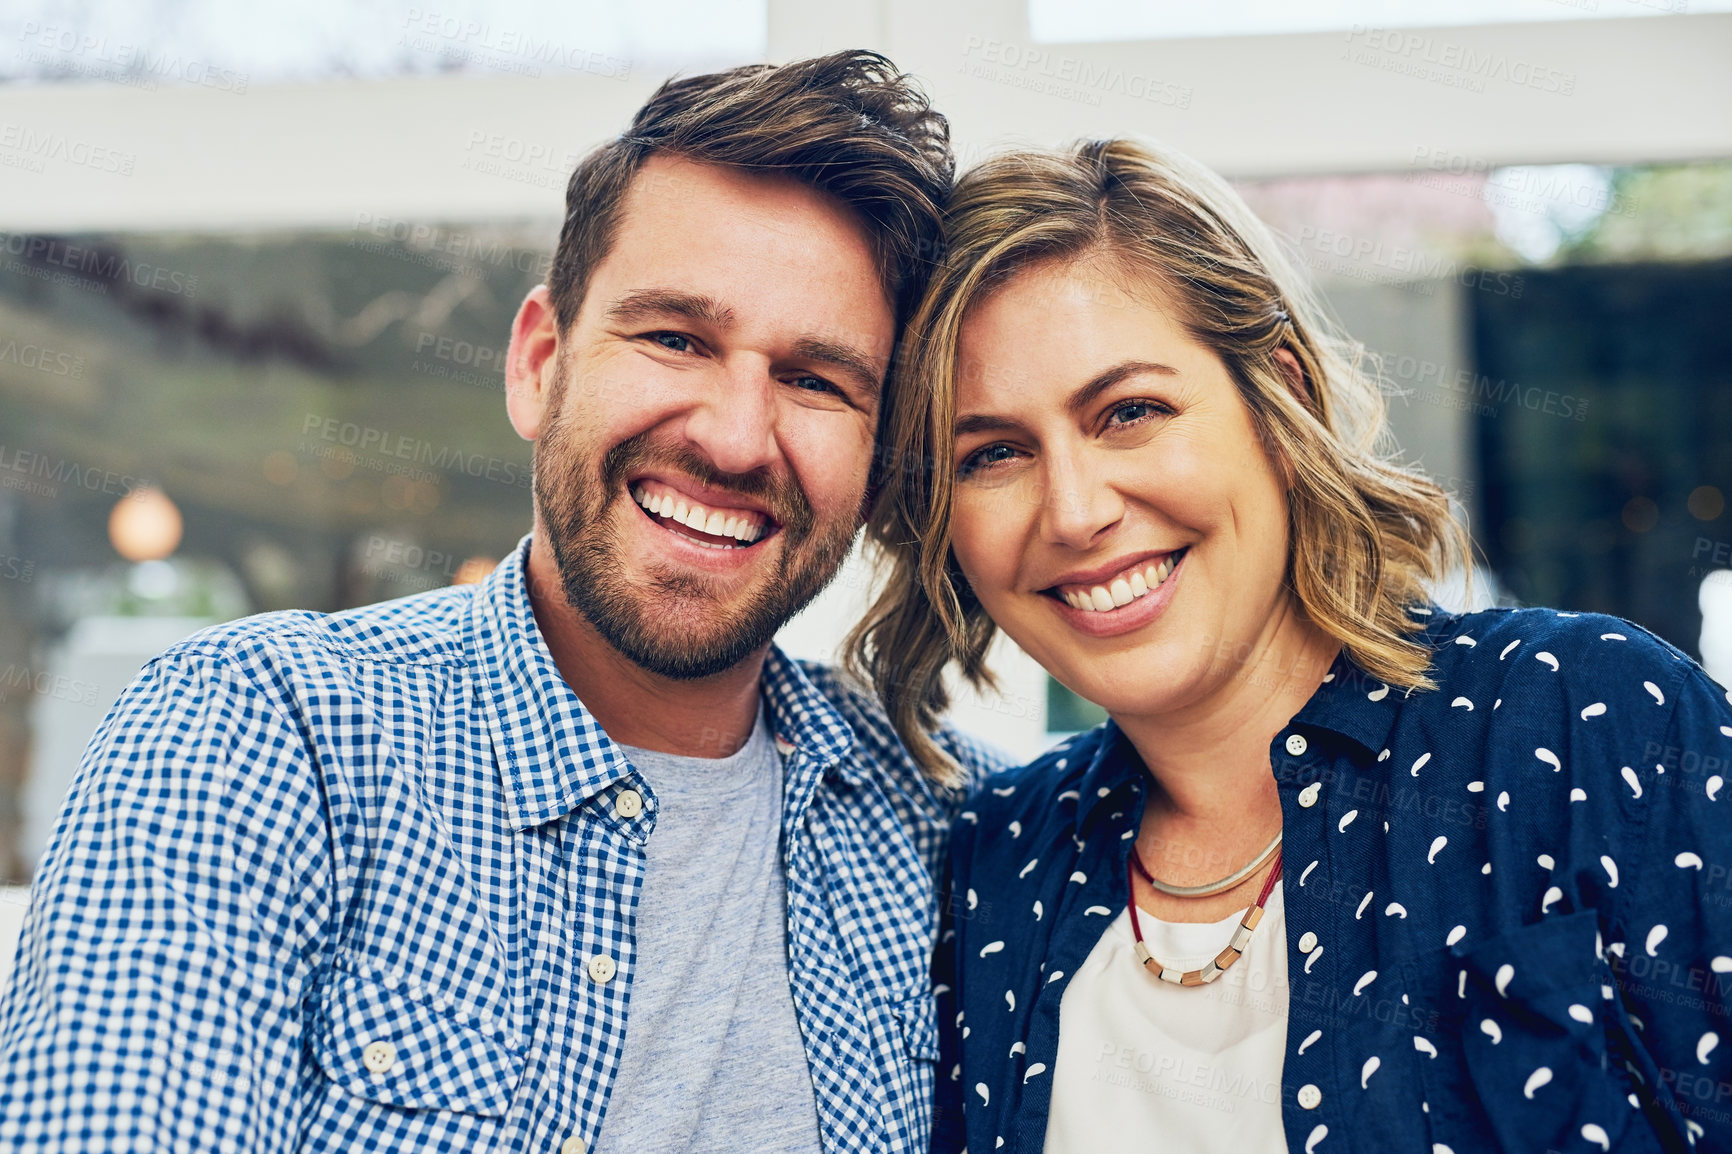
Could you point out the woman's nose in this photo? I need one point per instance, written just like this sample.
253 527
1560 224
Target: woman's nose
1077 505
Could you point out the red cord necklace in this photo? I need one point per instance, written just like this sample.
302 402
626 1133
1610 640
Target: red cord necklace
1235 949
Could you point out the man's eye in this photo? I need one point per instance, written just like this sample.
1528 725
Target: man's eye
673 342
814 385
984 458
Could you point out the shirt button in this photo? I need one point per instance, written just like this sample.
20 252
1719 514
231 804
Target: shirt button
1307 943
1310 1096
784 746
628 804
1308 795
601 967
379 1056
573 1145
1295 744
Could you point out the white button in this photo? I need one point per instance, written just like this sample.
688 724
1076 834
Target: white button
1307 942
601 967
379 1056
628 804
573 1145
783 745
1308 795
1310 1096
1295 744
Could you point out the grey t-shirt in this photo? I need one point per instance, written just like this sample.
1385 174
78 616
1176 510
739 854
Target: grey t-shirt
713 1058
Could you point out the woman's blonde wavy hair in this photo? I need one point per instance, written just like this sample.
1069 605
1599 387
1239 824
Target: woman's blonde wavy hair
1366 532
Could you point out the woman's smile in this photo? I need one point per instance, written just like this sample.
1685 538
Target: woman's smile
1128 598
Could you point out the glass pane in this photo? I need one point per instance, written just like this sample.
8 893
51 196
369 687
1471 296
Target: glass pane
1074 21
229 47
1068 713
194 429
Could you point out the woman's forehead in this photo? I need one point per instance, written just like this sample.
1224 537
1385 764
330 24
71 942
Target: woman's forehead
1061 324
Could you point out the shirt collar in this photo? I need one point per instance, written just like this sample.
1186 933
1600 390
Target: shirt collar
1112 764
1360 707
554 755
1349 702
803 717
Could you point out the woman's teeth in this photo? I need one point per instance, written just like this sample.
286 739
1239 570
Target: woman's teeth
1123 589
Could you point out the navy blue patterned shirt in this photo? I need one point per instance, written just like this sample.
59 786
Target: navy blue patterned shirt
1514 893
370 881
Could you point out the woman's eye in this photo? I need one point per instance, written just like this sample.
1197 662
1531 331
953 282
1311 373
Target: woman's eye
1131 412
673 342
984 458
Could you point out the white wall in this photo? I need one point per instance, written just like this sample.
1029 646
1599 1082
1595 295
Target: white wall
13 902
1013 717
323 154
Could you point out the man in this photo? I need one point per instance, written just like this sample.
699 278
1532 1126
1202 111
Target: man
574 858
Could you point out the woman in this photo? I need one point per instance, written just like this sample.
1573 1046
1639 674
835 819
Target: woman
1343 872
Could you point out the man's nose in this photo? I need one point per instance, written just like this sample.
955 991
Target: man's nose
734 424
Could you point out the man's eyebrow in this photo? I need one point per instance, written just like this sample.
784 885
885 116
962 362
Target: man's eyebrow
647 303
867 375
1074 404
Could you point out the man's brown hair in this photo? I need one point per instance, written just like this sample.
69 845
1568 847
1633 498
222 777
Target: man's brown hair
848 124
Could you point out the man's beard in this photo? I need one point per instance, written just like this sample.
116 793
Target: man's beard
651 622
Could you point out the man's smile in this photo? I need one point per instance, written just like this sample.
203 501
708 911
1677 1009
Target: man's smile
715 525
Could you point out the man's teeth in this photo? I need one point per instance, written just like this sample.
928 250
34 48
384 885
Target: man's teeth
741 527
1123 589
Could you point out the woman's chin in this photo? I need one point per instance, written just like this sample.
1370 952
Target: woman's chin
1140 682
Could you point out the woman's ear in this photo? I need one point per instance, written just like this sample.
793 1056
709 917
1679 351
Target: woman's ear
1294 375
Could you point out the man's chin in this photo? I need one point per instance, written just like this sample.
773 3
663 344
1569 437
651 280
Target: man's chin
680 634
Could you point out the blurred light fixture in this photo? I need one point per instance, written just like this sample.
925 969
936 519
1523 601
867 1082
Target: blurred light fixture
145 525
474 570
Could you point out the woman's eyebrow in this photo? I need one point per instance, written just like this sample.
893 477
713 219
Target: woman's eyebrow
1101 382
1084 396
984 423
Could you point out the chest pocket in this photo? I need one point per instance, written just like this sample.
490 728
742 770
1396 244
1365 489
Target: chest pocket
378 1043
1543 1044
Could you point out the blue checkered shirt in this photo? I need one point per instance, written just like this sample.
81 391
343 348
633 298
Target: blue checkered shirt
355 882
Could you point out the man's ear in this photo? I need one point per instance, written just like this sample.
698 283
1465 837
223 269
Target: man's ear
531 363
1294 375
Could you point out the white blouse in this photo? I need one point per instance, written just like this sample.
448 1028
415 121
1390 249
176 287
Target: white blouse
1144 1064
